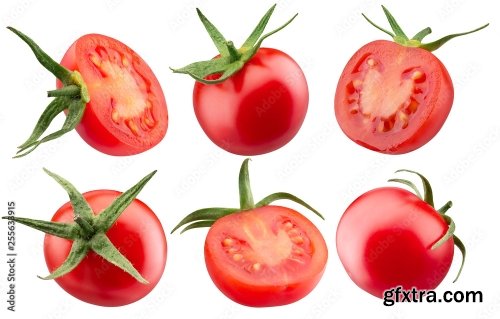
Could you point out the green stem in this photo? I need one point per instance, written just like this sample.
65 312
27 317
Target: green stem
72 91
246 197
233 52
88 230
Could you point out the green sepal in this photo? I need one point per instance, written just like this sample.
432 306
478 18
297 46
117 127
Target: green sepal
88 232
401 38
231 60
205 214
198 224
101 245
79 250
460 245
109 215
246 197
428 197
63 230
73 96
77 200
281 195
206 217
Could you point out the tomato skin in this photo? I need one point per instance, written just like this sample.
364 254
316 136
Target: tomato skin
435 102
138 235
247 289
384 240
96 127
257 110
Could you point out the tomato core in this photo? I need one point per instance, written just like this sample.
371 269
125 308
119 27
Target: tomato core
384 95
131 111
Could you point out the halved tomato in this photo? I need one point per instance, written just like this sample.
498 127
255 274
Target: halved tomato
266 256
127 112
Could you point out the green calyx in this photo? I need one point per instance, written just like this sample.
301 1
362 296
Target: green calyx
401 38
231 60
73 96
88 232
428 197
206 217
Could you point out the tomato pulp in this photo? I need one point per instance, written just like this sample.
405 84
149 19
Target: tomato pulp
137 234
266 256
127 112
391 98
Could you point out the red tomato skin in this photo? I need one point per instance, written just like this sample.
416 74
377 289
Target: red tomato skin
96 127
253 292
138 235
428 120
257 110
384 240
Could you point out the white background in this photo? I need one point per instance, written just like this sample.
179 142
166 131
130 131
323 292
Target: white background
320 165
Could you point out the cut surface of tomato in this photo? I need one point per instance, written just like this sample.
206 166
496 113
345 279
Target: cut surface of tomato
127 112
266 256
391 98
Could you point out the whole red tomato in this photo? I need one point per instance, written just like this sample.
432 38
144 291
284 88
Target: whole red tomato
109 94
104 247
261 255
394 97
390 237
252 100
257 110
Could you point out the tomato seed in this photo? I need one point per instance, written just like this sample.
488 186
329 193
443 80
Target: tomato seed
237 257
288 225
115 116
228 242
371 62
133 127
256 266
297 240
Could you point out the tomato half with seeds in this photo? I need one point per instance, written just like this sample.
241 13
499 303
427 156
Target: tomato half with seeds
108 93
394 97
127 112
261 255
391 98
268 256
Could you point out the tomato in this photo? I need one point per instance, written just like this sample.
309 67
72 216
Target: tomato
261 255
391 98
103 247
137 234
394 97
257 110
390 237
127 112
251 100
267 256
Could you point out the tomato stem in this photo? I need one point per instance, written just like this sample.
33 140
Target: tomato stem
230 59
73 96
206 217
88 229
401 38
72 91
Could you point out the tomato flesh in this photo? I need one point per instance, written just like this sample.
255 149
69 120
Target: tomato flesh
137 234
257 110
127 112
267 256
393 99
384 240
